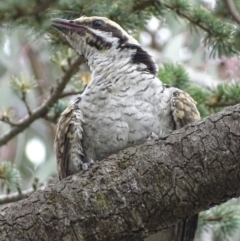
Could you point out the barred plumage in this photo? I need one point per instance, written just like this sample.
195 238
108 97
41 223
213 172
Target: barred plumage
125 103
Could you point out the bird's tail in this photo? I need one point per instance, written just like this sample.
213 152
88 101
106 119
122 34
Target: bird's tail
186 229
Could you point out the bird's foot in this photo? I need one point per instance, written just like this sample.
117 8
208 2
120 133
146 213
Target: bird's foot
86 165
152 136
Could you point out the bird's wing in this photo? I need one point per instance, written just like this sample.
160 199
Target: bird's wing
184 111
68 141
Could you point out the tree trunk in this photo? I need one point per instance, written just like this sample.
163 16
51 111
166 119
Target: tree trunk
138 191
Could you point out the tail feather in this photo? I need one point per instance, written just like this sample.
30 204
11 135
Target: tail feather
186 229
183 231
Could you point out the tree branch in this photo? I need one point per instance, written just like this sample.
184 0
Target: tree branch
43 109
16 196
71 92
24 99
218 36
138 191
145 4
18 10
140 6
233 10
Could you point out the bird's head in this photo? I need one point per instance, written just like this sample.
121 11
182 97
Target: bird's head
100 37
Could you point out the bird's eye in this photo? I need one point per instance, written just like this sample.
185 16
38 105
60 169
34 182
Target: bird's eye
98 23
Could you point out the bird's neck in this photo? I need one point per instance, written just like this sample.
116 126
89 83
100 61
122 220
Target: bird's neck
119 78
125 61
115 71
128 67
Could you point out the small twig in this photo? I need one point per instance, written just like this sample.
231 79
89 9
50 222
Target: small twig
221 104
51 118
24 99
16 196
69 93
233 10
43 109
144 4
212 219
9 122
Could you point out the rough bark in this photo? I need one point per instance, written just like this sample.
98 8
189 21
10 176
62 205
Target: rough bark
139 190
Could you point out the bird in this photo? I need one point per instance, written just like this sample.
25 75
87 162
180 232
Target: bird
125 104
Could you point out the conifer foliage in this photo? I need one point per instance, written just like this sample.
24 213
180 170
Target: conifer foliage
40 74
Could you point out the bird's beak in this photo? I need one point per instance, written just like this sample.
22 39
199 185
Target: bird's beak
63 24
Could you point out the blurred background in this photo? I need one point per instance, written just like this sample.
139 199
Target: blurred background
191 54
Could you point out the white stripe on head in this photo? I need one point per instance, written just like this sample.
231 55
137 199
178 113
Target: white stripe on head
110 22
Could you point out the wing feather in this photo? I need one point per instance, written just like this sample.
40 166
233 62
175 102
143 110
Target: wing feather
183 108
68 141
